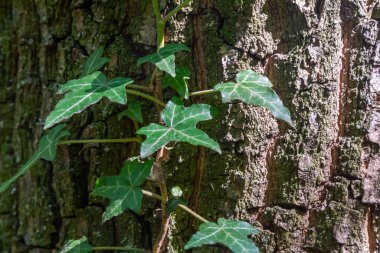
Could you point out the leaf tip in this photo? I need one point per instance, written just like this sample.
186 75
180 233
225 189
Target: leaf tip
105 217
47 125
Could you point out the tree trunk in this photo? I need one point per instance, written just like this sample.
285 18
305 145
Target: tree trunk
310 189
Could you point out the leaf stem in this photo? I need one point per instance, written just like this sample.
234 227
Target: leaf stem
153 77
146 96
139 87
203 92
125 140
156 9
160 24
183 207
116 248
175 10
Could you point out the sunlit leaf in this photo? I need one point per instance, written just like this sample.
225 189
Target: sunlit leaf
164 59
123 190
176 191
133 112
179 82
84 92
232 234
77 246
180 126
47 149
255 89
95 62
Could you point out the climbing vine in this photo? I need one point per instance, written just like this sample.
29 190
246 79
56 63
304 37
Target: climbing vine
177 123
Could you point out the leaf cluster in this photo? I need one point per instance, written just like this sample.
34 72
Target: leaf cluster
179 124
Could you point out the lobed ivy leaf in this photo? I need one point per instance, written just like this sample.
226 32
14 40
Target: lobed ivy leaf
181 126
94 62
77 246
164 59
133 112
232 234
255 89
123 190
47 149
84 92
178 82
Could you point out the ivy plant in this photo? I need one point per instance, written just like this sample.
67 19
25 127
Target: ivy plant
123 190
178 123
180 126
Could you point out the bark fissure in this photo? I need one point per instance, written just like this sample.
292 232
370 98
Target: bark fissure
201 74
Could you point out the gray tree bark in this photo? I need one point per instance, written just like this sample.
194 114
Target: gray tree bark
312 189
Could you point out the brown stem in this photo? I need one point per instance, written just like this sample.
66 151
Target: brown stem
162 155
158 175
199 173
201 77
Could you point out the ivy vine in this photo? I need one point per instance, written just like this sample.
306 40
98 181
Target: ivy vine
178 124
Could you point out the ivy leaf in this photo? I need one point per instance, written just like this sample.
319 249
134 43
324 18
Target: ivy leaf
176 191
232 234
181 126
179 82
77 246
173 203
164 58
47 149
123 190
87 91
255 89
133 112
94 62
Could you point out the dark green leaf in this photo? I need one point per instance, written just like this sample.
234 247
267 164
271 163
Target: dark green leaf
232 234
179 82
95 62
123 190
255 89
164 59
133 112
173 203
181 126
77 246
47 149
84 92
47 146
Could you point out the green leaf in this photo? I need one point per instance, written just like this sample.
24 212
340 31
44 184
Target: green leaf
123 190
133 112
255 89
179 82
176 191
181 126
94 62
47 146
77 246
47 149
173 203
164 59
232 234
84 92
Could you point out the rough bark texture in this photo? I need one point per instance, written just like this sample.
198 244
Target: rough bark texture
313 189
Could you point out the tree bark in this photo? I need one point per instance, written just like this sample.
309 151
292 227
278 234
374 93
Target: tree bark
310 189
